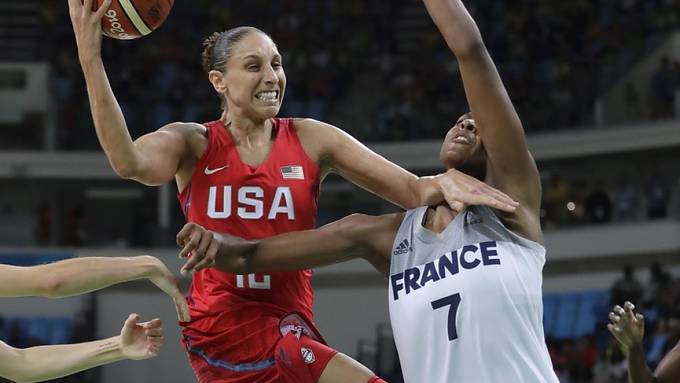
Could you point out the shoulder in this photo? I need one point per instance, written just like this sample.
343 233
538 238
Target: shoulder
324 142
309 127
185 129
316 138
523 222
193 135
308 124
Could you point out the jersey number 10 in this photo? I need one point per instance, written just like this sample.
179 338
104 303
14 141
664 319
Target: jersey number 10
264 284
454 302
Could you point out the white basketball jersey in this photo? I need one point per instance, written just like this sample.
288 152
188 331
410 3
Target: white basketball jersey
465 304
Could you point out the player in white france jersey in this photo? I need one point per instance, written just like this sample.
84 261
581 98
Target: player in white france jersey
464 284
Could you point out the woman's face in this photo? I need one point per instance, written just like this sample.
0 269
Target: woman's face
462 148
254 81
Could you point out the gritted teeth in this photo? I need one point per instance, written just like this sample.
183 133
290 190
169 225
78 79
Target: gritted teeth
269 95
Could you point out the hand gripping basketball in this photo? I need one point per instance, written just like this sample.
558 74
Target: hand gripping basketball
131 19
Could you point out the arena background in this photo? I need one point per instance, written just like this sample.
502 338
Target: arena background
596 83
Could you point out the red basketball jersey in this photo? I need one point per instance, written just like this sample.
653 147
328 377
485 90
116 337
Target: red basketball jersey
235 318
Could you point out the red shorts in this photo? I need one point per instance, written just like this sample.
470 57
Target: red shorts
300 356
301 360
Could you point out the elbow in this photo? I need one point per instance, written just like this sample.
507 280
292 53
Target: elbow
125 171
470 49
52 286
125 164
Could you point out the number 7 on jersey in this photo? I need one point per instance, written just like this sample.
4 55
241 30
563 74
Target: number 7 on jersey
454 302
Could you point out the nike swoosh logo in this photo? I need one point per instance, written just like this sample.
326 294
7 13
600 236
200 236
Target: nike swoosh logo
209 171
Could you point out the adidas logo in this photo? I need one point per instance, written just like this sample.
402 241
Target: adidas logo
472 220
402 248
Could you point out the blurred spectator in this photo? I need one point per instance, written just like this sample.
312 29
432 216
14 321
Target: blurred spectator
626 288
587 356
74 231
674 200
632 103
676 76
627 201
659 281
662 90
555 57
596 358
612 367
42 230
598 204
556 196
559 360
658 192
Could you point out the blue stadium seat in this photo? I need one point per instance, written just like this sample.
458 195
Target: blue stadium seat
32 259
656 348
574 314
650 315
44 330
567 312
550 303
592 310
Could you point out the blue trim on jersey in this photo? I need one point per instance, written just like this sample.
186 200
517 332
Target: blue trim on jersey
188 203
243 367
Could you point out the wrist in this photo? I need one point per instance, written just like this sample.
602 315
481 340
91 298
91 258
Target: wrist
240 253
432 189
635 351
111 349
421 189
149 266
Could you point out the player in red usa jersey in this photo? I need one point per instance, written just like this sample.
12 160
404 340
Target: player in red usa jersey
257 201
253 175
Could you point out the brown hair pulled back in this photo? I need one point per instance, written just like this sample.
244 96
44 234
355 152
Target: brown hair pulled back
218 48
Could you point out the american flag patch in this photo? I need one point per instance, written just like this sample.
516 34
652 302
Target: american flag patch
292 172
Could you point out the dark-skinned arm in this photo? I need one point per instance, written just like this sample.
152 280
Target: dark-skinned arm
628 328
355 236
511 167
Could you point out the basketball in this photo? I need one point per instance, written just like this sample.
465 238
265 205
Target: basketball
132 19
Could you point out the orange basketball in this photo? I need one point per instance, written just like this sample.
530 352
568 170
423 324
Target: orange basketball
131 19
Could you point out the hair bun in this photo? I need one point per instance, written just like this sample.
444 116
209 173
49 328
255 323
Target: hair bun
208 49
